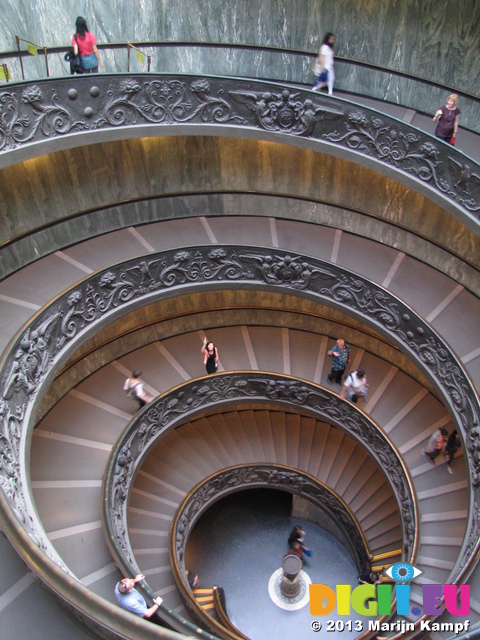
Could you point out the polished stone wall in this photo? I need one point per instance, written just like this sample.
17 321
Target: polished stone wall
59 199
436 39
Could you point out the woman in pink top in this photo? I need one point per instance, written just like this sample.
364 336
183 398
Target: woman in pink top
85 43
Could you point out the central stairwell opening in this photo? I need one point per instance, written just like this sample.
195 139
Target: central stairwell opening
238 544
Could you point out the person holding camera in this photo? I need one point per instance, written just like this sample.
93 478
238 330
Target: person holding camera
340 355
131 600
210 356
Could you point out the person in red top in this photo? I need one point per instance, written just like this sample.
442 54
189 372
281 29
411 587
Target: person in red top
85 43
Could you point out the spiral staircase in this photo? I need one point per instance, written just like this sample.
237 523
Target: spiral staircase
256 328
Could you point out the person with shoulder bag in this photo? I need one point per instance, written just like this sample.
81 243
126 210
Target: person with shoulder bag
133 387
85 47
323 67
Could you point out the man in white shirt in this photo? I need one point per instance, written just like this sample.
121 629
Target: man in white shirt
133 387
355 386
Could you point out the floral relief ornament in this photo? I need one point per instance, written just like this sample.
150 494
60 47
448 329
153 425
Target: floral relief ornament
407 152
20 124
167 102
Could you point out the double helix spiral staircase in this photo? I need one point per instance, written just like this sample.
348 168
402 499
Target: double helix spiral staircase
134 245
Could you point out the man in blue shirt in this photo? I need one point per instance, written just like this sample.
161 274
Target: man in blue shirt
340 355
131 600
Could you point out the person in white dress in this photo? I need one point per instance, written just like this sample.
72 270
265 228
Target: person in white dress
324 63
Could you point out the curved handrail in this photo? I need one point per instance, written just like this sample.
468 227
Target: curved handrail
282 52
48 340
105 618
221 612
100 108
213 393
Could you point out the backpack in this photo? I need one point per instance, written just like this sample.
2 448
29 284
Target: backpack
131 393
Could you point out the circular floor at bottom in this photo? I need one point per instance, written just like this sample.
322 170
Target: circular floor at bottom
240 542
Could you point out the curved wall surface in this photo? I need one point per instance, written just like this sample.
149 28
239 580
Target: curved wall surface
432 39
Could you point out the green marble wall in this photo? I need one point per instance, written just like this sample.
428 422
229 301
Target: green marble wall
436 39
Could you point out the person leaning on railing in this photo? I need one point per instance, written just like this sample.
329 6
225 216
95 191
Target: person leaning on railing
130 599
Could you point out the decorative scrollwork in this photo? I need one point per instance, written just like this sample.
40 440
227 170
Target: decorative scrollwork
17 128
265 475
46 342
409 152
25 118
165 102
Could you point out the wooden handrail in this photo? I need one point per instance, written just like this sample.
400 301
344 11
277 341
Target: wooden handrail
220 610
388 554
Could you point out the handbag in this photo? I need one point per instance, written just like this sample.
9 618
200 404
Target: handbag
131 393
323 77
75 60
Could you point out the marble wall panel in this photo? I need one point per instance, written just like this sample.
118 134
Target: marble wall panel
91 180
437 39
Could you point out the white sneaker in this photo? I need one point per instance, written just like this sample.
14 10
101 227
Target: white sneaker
448 468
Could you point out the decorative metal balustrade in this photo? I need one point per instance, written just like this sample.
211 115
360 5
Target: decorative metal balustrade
48 341
278 64
66 112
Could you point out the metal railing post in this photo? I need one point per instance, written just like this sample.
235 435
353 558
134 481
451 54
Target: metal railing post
20 56
46 59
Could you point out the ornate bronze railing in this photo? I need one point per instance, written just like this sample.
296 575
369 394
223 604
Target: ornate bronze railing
68 112
263 62
213 393
47 342
222 391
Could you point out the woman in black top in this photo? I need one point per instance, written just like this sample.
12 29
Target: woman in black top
447 120
210 356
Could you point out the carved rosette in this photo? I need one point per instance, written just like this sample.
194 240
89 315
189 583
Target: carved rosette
45 344
27 117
